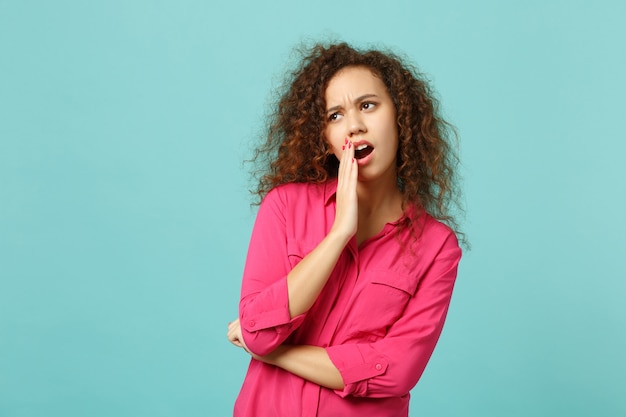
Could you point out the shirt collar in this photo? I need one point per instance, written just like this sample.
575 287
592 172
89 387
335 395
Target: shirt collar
330 190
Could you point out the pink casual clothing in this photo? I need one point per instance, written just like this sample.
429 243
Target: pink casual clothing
379 315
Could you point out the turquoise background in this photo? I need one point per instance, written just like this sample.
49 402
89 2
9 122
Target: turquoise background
125 217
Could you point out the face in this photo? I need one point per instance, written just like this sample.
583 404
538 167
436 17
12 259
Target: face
359 108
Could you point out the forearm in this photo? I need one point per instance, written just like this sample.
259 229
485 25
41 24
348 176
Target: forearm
306 280
309 362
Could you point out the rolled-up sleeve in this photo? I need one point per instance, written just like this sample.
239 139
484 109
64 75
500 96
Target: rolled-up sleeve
264 304
392 365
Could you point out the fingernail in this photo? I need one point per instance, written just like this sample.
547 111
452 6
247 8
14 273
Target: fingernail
352 159
343 147
350 145
346 142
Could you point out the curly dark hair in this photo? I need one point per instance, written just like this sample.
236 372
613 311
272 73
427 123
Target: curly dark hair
296 149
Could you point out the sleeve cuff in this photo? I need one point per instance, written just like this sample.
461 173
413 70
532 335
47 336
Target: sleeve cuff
271 310
278 319
356 367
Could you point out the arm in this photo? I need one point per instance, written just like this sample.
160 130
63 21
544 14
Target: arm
308 362
274 299
306 280
391 366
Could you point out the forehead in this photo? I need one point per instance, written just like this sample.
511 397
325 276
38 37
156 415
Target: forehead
354 81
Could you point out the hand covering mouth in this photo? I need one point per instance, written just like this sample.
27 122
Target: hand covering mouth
362 151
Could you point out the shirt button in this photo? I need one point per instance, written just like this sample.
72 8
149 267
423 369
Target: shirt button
379 367
251 323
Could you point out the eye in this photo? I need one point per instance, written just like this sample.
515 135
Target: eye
367 105
333 116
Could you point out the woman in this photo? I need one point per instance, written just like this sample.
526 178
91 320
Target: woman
350 267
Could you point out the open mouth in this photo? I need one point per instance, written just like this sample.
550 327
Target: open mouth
362 151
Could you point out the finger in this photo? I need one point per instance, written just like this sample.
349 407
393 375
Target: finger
233 338
351 171
345 165
349 157
233 324
232 334
342 165
354 172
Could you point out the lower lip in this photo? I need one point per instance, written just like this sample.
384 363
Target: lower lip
366 159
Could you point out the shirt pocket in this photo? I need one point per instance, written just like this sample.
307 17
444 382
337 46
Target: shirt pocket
381 303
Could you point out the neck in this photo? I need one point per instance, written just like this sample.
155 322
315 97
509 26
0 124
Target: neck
379 196
380 202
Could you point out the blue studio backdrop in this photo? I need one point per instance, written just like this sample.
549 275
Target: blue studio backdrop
125 215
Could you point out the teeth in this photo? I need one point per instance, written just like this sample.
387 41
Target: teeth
361 147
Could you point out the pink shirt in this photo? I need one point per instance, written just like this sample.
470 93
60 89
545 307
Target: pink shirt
379 315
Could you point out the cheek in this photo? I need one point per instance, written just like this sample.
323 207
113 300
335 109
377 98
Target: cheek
334 144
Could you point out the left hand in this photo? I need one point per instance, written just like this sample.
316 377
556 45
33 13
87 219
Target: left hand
236 338
234 335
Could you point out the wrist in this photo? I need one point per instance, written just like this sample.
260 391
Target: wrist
274 357
339 236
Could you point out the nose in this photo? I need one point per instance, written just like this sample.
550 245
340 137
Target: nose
356 124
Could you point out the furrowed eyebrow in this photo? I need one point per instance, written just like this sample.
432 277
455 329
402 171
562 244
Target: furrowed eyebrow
357 100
